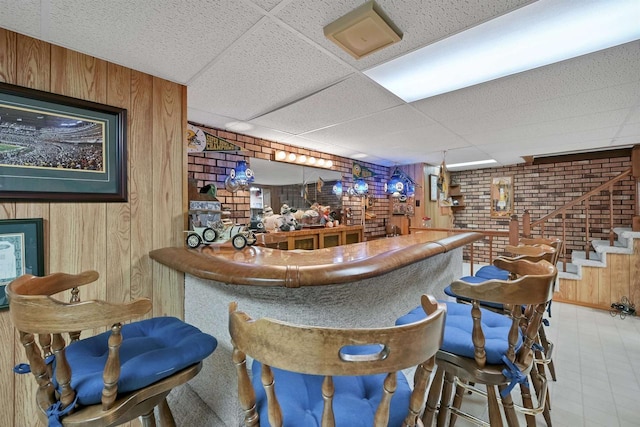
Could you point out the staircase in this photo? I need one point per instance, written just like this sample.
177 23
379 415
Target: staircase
606 275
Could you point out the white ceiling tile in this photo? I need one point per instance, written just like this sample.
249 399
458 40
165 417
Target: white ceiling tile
21 16
354 97
267 4
140 33
266 70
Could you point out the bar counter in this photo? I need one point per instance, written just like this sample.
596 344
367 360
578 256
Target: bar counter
260 266
360 285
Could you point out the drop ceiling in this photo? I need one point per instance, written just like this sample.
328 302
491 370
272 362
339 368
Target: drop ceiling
264 68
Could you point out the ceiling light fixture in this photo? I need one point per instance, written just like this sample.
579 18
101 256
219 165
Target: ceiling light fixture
284 156
363 31
539 34
477 162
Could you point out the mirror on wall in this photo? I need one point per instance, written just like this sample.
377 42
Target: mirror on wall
279 183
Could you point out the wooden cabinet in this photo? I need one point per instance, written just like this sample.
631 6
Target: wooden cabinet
312 238
457 198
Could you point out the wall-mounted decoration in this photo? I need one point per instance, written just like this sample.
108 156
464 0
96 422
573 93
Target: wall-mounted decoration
21 251
199 140
360 171
501 197
57 148
433 188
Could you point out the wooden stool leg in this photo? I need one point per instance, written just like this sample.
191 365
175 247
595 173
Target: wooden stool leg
495 417
148 419
457 402
445 398
165 415
432 398
527 403
547 345
509 410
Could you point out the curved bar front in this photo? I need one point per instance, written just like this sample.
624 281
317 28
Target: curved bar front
295 268
367 284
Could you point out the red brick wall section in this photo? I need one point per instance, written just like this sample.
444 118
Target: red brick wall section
213 167
543 188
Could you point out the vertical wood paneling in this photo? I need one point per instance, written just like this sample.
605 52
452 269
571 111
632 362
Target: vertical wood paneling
167 154
77 75
112 238
588 287
33 55
634 275
604 283
118 215
33 71
618 266
8 63
141 187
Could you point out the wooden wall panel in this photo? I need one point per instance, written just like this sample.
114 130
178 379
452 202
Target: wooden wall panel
118 215
141 182
112 238
588 287
168 198
620 279
634 275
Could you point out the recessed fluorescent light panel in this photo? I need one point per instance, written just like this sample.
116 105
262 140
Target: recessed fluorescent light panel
541 33
477 162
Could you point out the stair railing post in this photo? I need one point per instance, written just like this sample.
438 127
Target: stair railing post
564 239
611 234
526 224
586 229
514 230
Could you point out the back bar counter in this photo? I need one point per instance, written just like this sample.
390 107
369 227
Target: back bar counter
367 284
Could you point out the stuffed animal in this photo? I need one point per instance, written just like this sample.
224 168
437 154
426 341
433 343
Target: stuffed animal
288 220
271 222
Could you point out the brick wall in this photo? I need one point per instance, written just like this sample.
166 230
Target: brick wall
213 167
545 187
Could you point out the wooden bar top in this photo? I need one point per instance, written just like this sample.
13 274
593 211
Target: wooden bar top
260 266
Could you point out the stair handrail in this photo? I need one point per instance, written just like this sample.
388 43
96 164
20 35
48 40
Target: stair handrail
527 225
582 198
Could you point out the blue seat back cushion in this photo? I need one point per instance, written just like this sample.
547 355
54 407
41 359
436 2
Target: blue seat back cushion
492 272
355 400
458 328
151 350
472 279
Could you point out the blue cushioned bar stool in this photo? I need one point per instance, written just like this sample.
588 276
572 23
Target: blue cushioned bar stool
110 378
306 376
481 346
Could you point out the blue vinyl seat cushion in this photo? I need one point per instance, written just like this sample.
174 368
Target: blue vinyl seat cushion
492 272
151 350
355 400
458 328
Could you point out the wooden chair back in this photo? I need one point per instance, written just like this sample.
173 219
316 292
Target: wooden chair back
45 323
556 243
320 351
533 287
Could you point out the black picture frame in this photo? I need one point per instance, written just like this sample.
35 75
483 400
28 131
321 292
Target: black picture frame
21 251
58 148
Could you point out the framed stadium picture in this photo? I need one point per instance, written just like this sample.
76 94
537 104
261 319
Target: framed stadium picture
57 148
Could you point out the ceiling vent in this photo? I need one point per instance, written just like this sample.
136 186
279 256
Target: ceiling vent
364 30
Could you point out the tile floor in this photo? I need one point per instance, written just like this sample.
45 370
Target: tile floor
597 361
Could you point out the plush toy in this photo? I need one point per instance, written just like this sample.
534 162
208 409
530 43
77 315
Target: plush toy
271 222
288 220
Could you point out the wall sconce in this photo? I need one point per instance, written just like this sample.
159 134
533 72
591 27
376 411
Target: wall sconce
361 187
337 189
400 184
301 159
239 178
